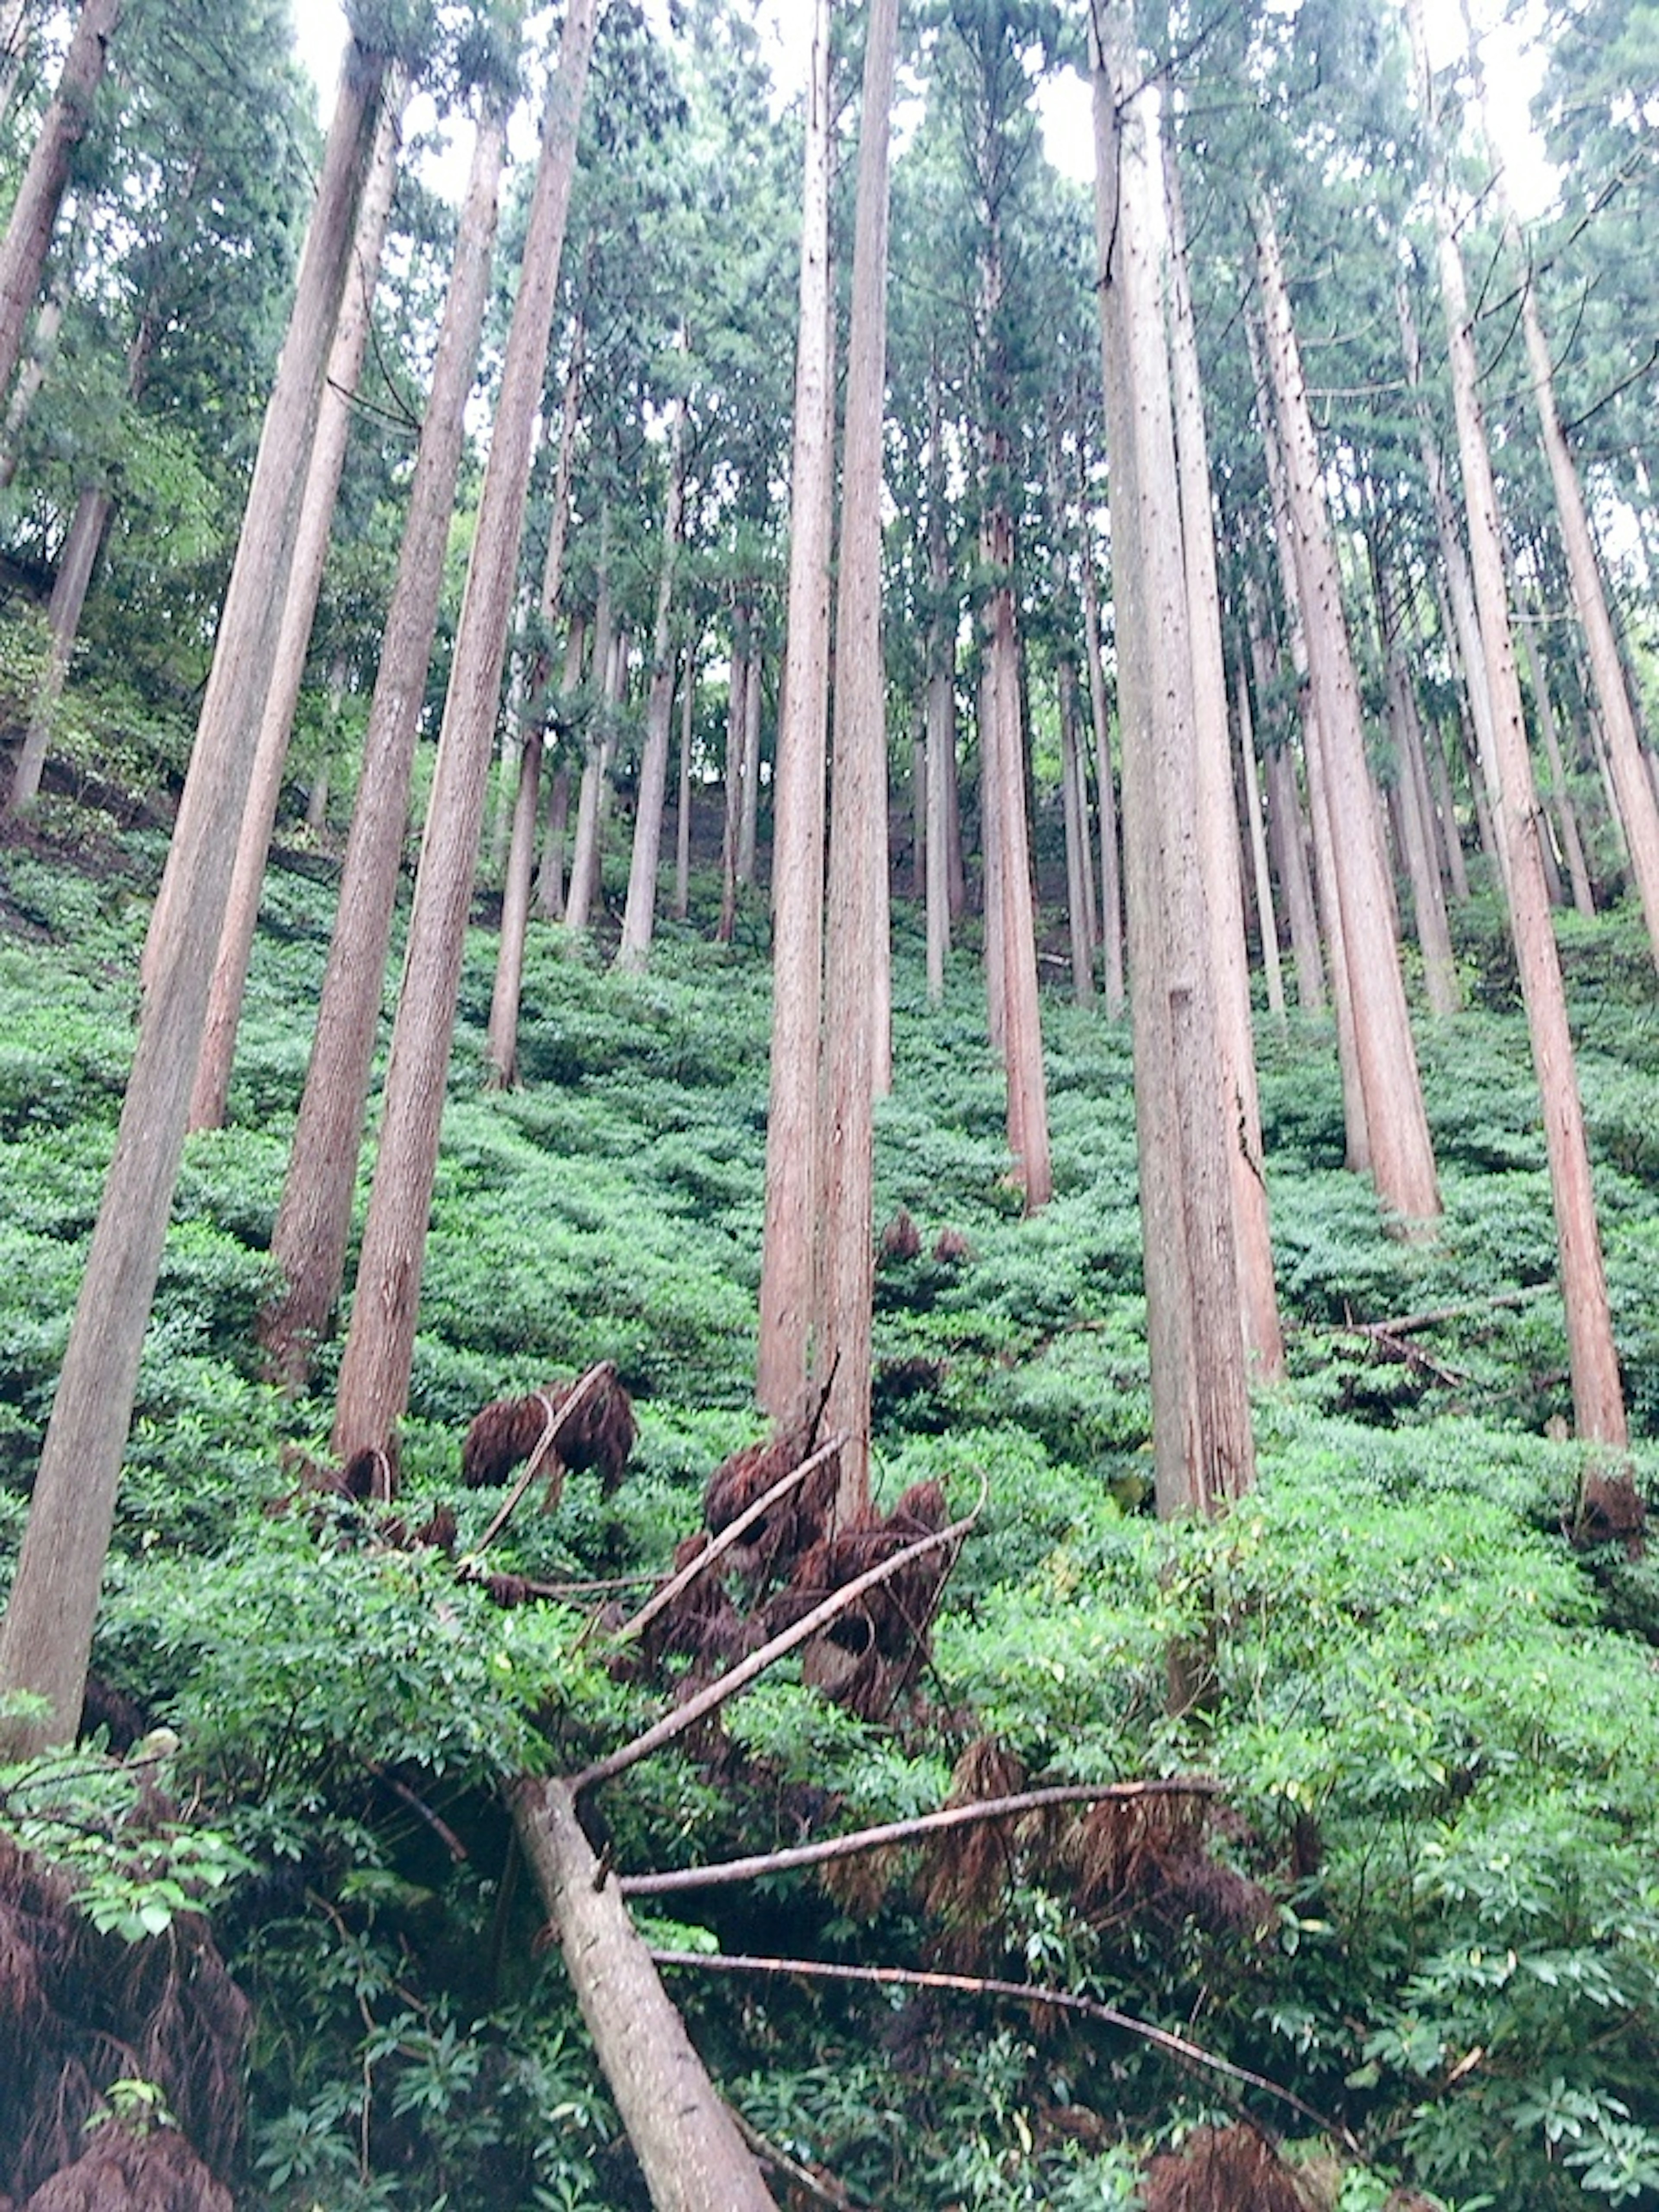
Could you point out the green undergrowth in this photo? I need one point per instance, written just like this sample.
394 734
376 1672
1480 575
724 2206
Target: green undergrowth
1430 1719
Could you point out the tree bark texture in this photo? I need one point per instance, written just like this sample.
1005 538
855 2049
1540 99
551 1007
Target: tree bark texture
380 1341
639 916
1267 917
788 1249
855 943
1202 1443
1218 825
76 563
34 211
1402 1154
313 1218
47 1632
345 363
689 2151
1111 884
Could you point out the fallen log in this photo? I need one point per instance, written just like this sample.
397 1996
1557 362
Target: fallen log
687 2144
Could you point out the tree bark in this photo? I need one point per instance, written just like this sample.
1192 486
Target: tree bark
47 1632
76 563
1402 1155
682 901
1597 1394
585 854
379 1345
748 827
1428 899
688 2146
34 211
639 916
1201 1444
1218 827
313 1218
1079 861
502 1048
1111 889
1266 918
789 1236
345 363
1572 844
855 945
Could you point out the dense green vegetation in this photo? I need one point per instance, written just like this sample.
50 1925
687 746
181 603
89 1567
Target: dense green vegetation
1428 1902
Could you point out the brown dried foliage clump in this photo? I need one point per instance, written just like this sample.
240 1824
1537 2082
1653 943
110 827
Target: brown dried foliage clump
868 1655
901 1239
702 1625
79 2010
768 1550
965 1871
600 1433
1611 1511
1222 2170
1152 1854
952 1248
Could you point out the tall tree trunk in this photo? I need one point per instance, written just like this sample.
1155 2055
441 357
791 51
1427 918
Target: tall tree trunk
744 671
1402 1155
639 916
379 1345
794 1163
585 856
1428 901
1218 825
748 827
346 362
682 901
502 1045
855 943
1079 861
34 211
76 563
1597 1394
550 873
1446 809
47 1632
1111 889
1572 844
42 347
1266 918
1201 1444
313 1218
1638 808
941 701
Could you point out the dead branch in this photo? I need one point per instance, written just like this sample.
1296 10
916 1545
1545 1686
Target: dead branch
557 1416
827 2191
674 1725
417 1805
1178 2046
903 1832
1411 1324
723 1543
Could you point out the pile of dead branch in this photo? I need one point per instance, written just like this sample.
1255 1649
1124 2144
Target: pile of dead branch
80 2011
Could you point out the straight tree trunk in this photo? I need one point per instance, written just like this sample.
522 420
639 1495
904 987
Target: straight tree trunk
1597 1393
374 1371
345 363
748 829
502 1044
313 1218
855 942
43 346
1217 826
1202 1443
1457 872
1266 918
1428 901
941 702
76 563
682 902
784 1361
639 916
1111 888
1402 1155
1079 861
1572 844
736 725
34 211
47 1631
549 875
585 858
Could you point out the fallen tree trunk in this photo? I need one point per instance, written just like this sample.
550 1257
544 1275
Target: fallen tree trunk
687 2145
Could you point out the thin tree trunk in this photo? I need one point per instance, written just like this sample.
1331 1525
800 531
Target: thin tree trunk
682 904
1111 889
32 374
313 1219
584 862
34 211
1078 859
689 2151
549 874
1572 844
345 361
1202 1443
47 1632
749 829
639 916
1428 901
1266 917
69 597
1446 809
736 725
856 963
1597 1394
788 1289
502 1044
939 708
1402 1154
374 1371
1218 825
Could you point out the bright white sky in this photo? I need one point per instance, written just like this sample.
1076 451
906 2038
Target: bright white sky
1513 69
